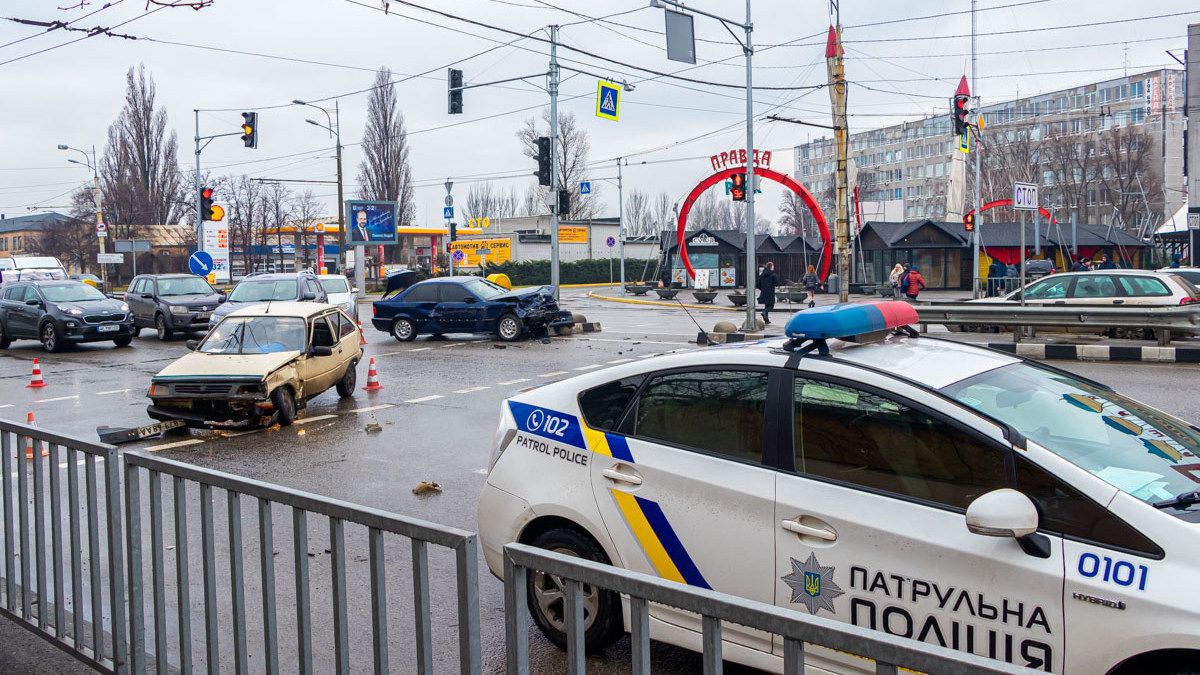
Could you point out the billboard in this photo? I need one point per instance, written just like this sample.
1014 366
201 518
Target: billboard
371 222
215 238
572 234
495 251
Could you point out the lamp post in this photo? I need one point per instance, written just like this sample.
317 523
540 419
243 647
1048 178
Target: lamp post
334 127
101 229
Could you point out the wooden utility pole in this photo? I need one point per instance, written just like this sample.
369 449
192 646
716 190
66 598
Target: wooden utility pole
837 96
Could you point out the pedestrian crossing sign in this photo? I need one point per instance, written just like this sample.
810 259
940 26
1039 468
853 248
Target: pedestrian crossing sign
608 100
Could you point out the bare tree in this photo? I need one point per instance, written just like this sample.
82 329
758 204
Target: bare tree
1126 175
72 241
486 200
663 213
244 216
1010 154
573 149
385 173
139 172
794 218
637 214
306 210
277 211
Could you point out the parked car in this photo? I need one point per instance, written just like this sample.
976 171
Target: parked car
1038 268
93 281
260 365
1191 274
32 268
281 287
171 303
1104 287
59 313
340 293
464 305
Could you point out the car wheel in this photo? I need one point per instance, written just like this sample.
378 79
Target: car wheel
5 341
547 595
123 341
160 326
509 327
345 386
285 406
50 339
404 330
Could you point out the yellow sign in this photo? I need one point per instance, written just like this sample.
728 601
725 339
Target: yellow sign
477 251
572 234
479 223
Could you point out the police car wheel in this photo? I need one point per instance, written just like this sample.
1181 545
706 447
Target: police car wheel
508 327
404 330
547 595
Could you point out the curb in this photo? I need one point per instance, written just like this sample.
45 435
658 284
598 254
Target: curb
593 327
727 338
663 303
1100 352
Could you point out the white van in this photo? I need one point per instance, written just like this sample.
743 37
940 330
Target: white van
31 268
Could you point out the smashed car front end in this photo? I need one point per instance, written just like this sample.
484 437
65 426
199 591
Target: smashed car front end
538 309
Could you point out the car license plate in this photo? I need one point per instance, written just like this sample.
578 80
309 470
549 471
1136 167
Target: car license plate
203 316
109 328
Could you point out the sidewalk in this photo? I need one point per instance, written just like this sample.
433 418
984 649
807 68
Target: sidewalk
23 652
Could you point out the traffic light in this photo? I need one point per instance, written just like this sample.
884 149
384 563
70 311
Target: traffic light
564 202
969 222
958 113
543 159
250 129
455 82
206 204
453 231
738 189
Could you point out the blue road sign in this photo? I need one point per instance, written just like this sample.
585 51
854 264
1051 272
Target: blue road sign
448 212
608 100
611 241
585 187
459 256
200 263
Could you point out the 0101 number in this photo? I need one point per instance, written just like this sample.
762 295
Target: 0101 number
1119 572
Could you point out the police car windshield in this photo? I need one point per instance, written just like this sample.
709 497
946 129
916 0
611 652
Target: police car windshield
1131 446
484 288
264 289
256 335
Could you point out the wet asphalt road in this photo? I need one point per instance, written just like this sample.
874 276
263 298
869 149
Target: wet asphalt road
438 410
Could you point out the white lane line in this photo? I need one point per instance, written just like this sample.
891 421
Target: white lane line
176 444
391 353
6 405
113 391
519 380
423 399
616 361
420 349
554 374
471 390
60 398
372 408
591 367
235 434
456 344
318 418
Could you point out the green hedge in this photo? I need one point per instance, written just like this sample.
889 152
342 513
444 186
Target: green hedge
595 271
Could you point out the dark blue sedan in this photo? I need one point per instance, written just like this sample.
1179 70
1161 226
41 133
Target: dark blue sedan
465 305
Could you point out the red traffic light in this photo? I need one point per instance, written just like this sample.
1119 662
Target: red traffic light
738 188
206 193
969 222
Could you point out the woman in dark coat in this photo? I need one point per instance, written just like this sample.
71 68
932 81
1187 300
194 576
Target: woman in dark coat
767 281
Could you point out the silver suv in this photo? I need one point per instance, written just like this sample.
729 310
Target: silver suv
274 287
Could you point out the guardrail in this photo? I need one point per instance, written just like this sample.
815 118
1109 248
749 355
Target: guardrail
338 514
86 620
1164 321
796 629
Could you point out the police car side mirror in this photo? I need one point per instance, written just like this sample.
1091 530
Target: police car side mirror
1002 513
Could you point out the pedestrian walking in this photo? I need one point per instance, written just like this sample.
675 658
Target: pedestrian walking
767 281
1106 263
811 283
894 278
1079 265
913 283
995 276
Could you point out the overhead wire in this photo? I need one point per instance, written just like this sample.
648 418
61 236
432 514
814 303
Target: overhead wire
80 39
65 24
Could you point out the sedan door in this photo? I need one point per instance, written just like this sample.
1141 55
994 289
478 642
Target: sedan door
684 494
1096 289
870 529
460 310
16 312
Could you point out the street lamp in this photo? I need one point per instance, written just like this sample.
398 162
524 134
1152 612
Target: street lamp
91 164
334 127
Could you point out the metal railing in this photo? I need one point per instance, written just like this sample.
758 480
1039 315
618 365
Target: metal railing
44 579
1164 321
233 617
796 629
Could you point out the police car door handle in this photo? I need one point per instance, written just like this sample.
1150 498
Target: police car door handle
614 475
809 531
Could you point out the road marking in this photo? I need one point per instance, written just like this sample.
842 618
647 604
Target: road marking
60 398
391 353
318 418
372 408
235 434
6 405
420 349
423 399
519 380
554 374
456 344
482 472
647 342
471 390
591 367
114 391
176 444
616 361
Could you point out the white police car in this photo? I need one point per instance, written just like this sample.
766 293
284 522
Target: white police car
930 489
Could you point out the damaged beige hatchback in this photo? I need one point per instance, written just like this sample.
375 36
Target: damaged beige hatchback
260 365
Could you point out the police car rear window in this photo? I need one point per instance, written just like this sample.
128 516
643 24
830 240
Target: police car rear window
603 406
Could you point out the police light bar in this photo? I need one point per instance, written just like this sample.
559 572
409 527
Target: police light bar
847 320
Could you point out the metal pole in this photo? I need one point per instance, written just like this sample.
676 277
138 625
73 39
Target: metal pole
1037 232
843 179
553 159
621 228
99 199
1074 233
751 271
199 216
1022 270
978 153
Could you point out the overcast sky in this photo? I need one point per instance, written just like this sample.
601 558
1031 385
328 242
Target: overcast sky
70 93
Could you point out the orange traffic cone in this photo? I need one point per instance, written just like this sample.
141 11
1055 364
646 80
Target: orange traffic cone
362 337
372 378
29 440
36 381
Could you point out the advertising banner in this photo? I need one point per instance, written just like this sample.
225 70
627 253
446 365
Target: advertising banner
371 222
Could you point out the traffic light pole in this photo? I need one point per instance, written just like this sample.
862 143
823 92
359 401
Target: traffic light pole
553 87
977 222
199 188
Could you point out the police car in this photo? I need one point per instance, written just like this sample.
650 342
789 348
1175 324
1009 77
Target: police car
929 489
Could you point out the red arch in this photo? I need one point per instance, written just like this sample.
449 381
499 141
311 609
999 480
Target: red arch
781 178
1008 202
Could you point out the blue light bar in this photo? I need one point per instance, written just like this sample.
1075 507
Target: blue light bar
846 320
